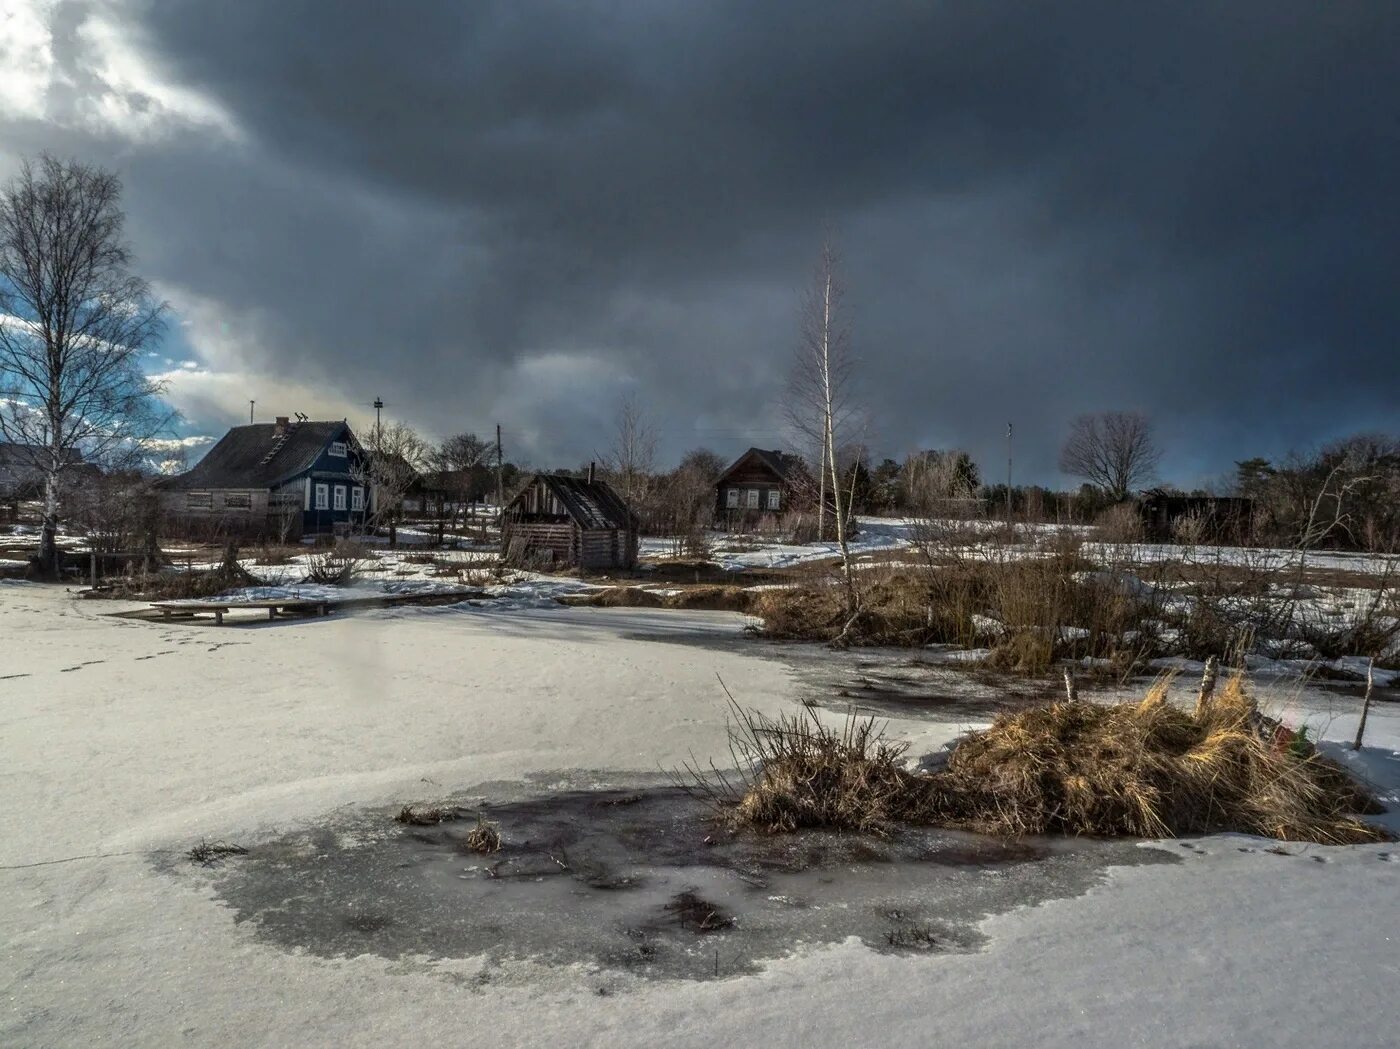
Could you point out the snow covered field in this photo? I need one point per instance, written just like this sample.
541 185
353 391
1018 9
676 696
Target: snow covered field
123 743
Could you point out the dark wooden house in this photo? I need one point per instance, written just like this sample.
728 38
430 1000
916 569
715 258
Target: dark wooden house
1216 519
569 521
760 483
277 480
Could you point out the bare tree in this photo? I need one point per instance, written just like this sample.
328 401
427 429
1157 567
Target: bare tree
459 460
388 468
74 321
819 401
631 461
1113 451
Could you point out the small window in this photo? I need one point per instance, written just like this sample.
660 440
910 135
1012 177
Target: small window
337 449
357 498
199 501
731 498
751 498
340 497
237 501
773 498
322 496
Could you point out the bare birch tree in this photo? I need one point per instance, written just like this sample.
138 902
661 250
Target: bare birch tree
631 461
74 321
1113 451
819 401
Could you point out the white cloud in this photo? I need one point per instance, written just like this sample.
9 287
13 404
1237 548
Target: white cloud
111 84
26 58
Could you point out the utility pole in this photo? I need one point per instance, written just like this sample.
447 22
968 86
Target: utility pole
1008 477
500 476
251 406
378 406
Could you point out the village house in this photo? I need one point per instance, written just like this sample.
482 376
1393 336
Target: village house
759 484
277 480
1212 518
570 521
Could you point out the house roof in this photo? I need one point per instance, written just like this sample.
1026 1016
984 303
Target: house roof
252 457
592 504
785 466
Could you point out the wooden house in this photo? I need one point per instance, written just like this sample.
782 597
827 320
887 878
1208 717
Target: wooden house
1217 519
570 521
759 484
277 480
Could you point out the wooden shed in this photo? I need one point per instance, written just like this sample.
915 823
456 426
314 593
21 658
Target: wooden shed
569 521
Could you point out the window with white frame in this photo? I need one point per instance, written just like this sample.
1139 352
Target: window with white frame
731 498
773 498
340 497
199 501
751 498
238 500
357 498
322 496
337 449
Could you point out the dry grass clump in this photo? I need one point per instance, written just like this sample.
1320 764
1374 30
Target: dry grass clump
485 836
1151 770
797 772
1145 769
212 853
426 815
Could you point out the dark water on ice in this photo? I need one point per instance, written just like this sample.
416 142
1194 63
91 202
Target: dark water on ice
634 877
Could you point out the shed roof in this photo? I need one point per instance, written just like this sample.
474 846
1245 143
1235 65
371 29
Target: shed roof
252 457
592 504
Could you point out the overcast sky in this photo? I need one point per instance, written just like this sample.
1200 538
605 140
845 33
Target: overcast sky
519 213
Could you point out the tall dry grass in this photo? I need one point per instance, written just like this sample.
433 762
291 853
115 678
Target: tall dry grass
1146 769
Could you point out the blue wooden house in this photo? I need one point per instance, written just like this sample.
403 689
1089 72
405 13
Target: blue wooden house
277 480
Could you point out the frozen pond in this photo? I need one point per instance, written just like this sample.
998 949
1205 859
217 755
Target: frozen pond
635 880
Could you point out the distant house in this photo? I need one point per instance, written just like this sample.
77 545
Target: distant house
759 483
273 480
22 469
1214 519
570 521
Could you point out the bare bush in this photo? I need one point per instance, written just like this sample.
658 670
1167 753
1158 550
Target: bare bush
341 565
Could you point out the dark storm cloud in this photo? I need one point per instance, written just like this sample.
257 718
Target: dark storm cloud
518 211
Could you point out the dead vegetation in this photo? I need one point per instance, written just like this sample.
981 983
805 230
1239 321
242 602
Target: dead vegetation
698 914
341 565
212 853
1035 601
427 815
485 837
1146 769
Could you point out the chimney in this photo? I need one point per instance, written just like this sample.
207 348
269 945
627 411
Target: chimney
281 427
590 472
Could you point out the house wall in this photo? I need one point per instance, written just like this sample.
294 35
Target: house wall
525 542
327 519
750 481
208 512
